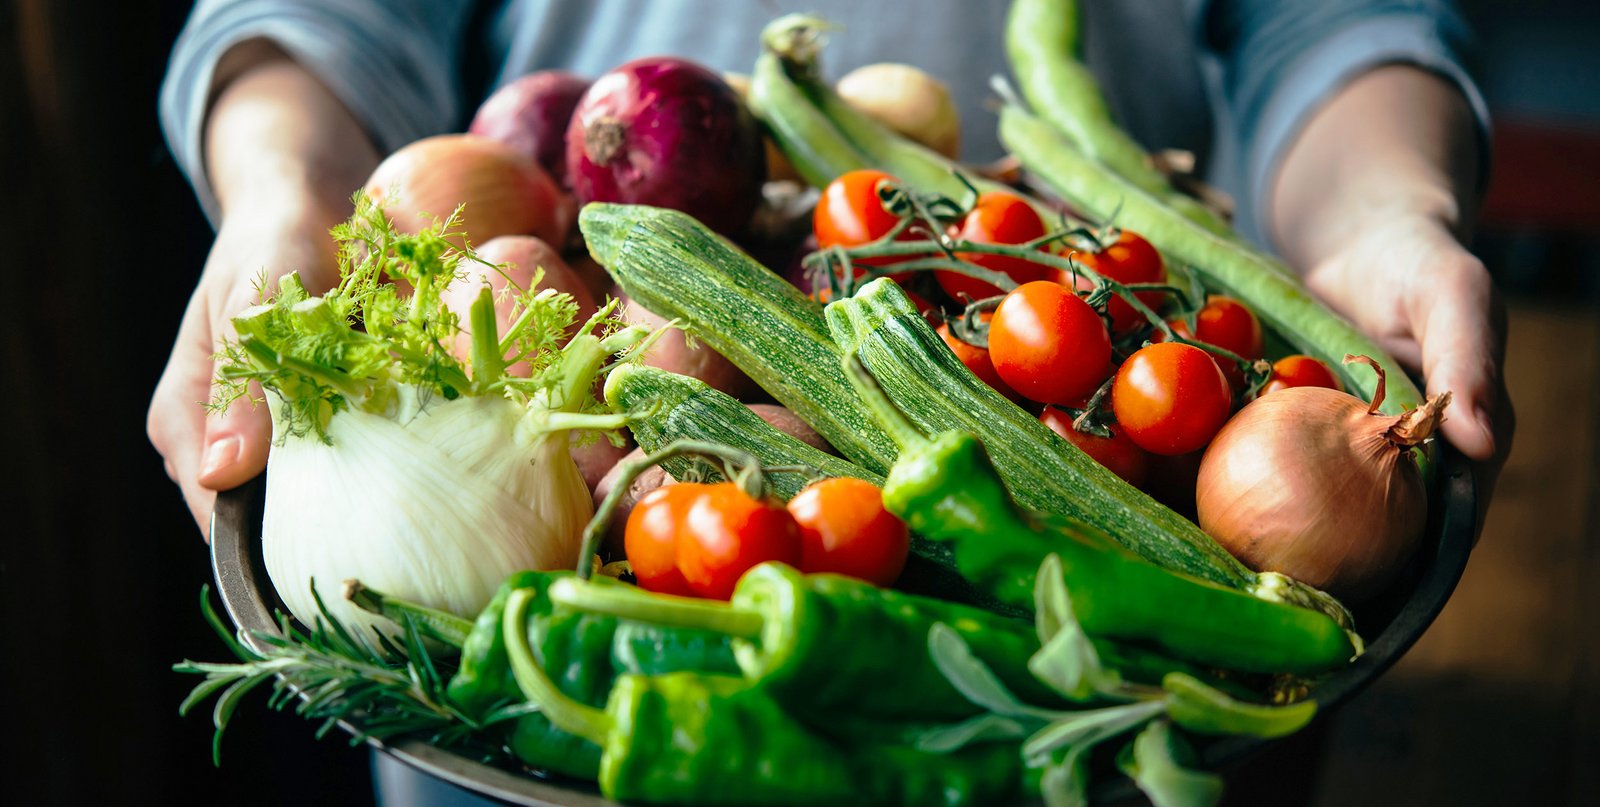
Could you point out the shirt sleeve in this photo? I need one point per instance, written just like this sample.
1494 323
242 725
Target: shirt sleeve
1282 59
393 63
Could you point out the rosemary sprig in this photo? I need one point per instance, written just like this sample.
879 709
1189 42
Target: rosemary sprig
379 690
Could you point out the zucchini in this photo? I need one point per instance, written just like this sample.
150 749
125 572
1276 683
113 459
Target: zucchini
678 407
1043 472
679 269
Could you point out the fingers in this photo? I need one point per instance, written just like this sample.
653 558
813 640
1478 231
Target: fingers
176 420
1460 326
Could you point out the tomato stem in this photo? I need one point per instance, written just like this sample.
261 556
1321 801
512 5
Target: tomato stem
742 467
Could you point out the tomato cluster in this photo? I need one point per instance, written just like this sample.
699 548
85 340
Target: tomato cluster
1102 376
696 540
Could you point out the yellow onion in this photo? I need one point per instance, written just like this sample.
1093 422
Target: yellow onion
501 191
1316 484
908 101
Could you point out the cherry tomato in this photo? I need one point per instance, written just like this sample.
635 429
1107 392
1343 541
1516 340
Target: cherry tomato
1170 398
997 218
976 358
849 212
650 539
725 532
1048 344
1226 323
845 530
1117 453
1129 259
1301 371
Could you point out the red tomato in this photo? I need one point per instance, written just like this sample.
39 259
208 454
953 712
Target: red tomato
1228 324
726 532
845 530
1170 398
1301 371
1117 453
1048 344
997 218
1130 259
976 358
650 539
849 212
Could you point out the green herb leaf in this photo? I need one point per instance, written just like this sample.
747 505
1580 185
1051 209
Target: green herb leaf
982 728
1089 727
1156 761
1199 707
973 679
1066 659
1066 779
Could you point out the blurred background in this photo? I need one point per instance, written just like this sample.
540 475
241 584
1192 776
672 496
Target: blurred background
101 569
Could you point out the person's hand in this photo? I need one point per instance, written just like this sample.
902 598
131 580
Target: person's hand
207 453
284 157
1371 203
1408 283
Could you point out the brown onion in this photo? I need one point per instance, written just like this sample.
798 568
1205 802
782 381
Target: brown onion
1315 484
500 191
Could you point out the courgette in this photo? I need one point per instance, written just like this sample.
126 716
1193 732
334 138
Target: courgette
678 407
1043 472
676 267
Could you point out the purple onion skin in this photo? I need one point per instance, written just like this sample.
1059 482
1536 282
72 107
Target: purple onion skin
531 115
669 133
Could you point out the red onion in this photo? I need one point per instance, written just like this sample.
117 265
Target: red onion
669 133
1315 484
531 115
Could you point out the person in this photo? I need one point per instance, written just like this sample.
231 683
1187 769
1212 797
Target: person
1348 132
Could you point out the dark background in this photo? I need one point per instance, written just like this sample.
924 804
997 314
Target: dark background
101 241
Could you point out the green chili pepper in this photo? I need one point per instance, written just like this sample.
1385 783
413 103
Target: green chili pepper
787 629
694 738
585 653
947 489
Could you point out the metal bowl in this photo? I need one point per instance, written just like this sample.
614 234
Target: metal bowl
1392 623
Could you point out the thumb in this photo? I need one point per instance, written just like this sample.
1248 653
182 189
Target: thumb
236 442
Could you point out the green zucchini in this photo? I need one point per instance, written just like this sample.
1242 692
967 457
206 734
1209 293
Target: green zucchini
1043 472
676 267
678 407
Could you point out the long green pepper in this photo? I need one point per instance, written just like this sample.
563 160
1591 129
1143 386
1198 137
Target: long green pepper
585 652
787 629
947 489
695 738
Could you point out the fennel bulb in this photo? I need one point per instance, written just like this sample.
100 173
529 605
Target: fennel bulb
426 476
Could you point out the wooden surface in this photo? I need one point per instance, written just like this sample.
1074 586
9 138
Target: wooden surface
1499 703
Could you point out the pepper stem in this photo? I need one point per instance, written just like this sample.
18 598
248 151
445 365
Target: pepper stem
443 626
563 712
626 602
749 477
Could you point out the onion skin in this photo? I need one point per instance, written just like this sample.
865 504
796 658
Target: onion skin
1306 482
673 353
907 100
669 133
531 114
502 192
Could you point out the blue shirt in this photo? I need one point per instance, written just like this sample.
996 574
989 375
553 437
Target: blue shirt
1230 80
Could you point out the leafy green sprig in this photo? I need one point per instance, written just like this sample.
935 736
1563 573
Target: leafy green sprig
377 689
384 327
